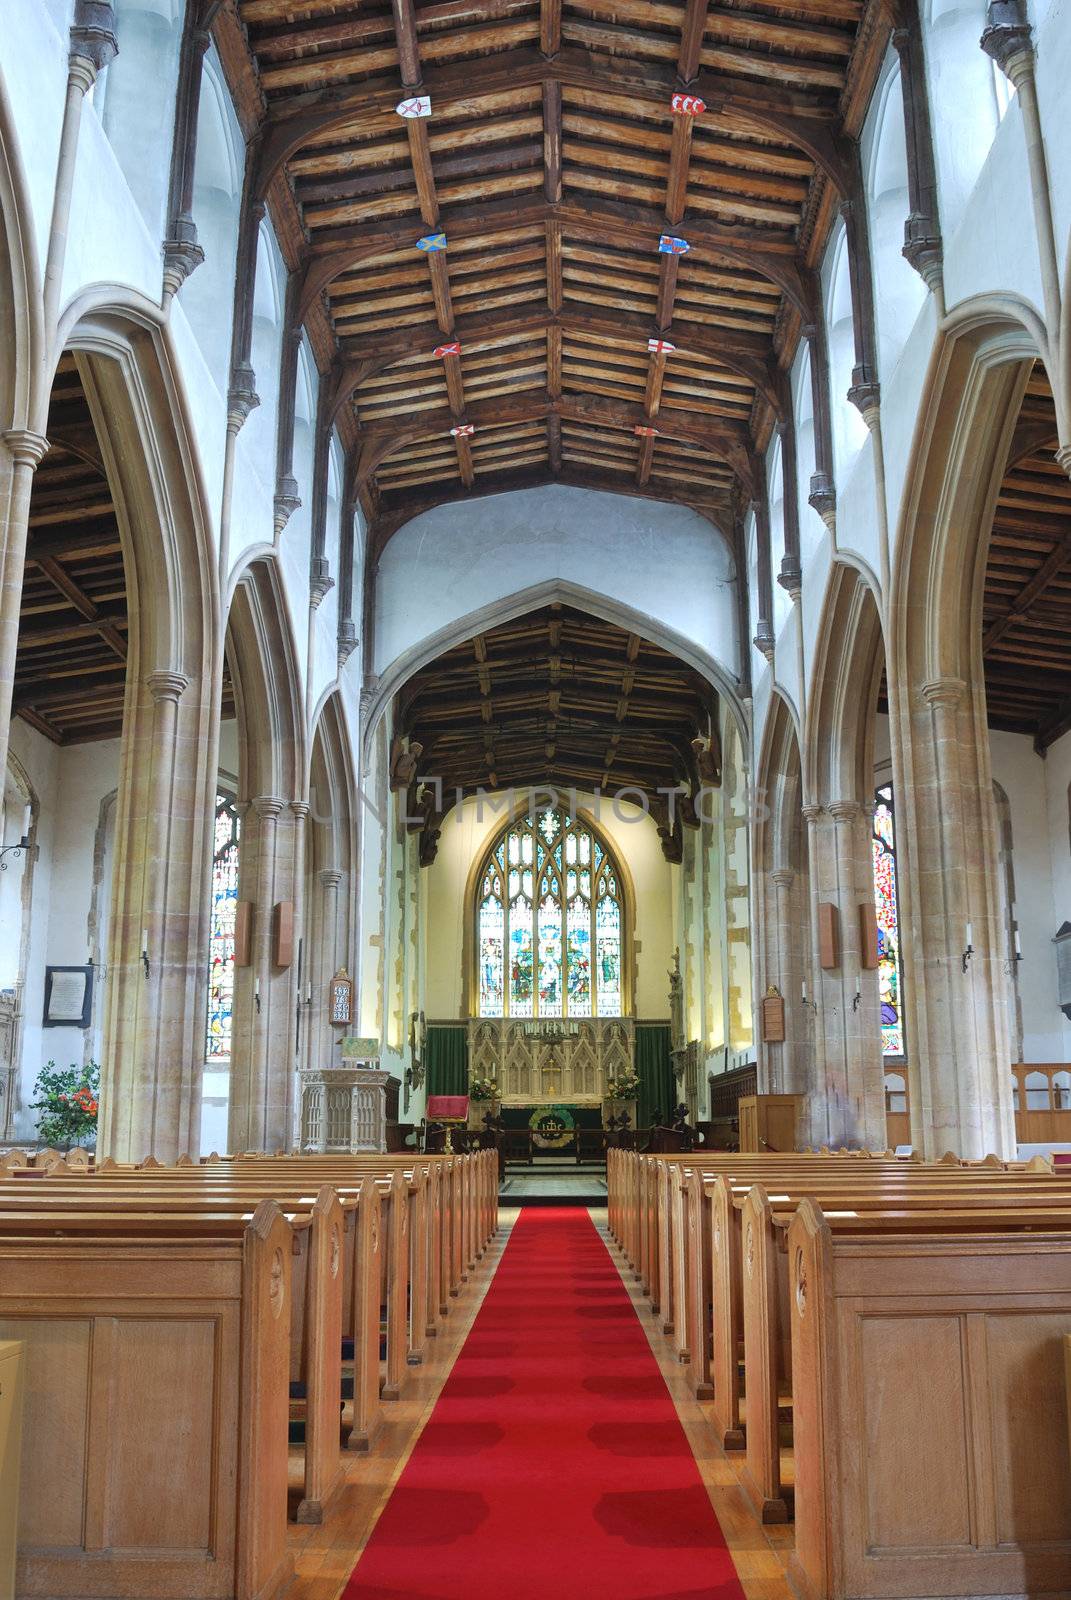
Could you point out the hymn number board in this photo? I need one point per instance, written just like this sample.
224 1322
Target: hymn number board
341 999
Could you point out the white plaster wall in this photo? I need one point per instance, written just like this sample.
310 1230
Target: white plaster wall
1040 854
468 832
1038 800
451 561
71 785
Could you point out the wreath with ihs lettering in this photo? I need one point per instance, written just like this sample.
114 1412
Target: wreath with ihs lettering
551 1126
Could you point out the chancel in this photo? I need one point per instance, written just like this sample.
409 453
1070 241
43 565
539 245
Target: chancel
535 800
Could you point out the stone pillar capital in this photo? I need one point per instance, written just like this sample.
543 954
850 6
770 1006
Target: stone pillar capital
320 581
93 41
845 810
165 685
865 396
790 578
267 805
1007 39
783 877
287 501
242 396
811 813
944 692
26 446
823 499
300 809
1062 457
330 877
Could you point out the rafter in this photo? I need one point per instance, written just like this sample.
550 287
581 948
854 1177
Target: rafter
764 251
739 354
799 119
380 441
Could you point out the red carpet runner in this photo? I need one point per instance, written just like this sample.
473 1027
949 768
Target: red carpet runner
554 1465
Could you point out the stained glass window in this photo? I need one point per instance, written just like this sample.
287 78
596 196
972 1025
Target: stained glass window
221 939
550 923
886 904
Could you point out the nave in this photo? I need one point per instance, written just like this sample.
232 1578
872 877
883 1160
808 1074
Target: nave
367 1379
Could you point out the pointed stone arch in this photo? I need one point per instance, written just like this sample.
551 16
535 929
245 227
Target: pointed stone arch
331 854
554 591
153 1035
839 768
783 901
955 1011
263 662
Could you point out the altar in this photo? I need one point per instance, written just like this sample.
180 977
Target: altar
551 1060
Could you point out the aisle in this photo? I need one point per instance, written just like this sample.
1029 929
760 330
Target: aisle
553 1466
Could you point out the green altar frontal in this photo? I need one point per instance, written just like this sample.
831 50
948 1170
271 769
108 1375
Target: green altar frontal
553 1123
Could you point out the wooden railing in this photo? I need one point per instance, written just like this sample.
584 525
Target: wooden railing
727 1088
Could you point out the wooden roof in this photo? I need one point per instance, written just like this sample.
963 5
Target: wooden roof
557 697
70 670
70 673
1026 641
553 162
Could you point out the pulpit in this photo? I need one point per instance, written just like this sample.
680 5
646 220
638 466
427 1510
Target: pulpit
344 1105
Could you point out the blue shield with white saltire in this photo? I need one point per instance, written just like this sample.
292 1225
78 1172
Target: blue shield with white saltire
432 242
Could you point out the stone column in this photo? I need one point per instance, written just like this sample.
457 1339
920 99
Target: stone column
251 1123
955 1010
859 1026
321 1034
825 1109
157 973
22 450
788 946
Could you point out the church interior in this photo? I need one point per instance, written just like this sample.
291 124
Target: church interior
535 828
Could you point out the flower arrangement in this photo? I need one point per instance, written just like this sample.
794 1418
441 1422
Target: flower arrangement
626 1086
68 1103
483 1089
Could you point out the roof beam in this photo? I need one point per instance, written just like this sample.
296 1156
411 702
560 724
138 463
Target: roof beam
805 121
770 255
741 353
382 440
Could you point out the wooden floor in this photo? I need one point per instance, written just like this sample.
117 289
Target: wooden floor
325 1556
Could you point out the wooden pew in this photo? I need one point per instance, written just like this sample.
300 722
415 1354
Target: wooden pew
156 1408
767 1325
930 1429
362 1259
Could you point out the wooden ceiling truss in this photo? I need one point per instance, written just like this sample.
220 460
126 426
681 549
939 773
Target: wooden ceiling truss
551 339
557 696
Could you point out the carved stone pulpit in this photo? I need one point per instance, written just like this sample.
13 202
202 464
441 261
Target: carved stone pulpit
344 1106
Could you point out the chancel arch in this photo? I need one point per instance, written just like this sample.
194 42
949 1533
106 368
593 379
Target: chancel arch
616 747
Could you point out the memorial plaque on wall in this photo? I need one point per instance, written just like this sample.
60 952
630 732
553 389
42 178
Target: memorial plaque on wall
773 1017
282 934
828 935
868 936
